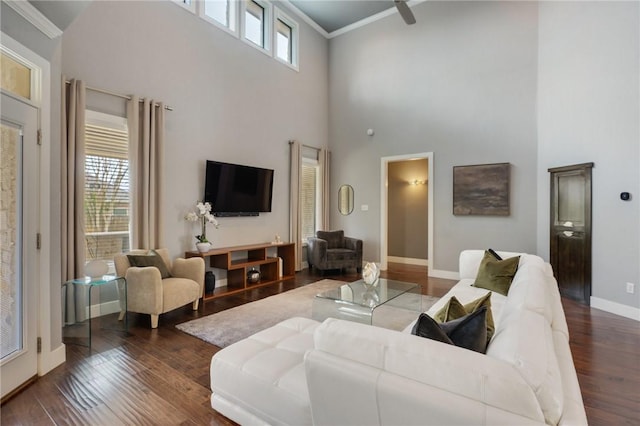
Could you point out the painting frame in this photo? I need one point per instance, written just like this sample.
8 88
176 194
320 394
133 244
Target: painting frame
482 190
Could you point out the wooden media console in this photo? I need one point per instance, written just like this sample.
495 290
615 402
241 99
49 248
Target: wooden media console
238 260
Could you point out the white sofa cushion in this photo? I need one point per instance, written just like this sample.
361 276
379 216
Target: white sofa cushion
529 290
265 372
445 367
524 339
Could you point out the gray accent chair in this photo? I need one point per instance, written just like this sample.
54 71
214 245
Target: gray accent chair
332 250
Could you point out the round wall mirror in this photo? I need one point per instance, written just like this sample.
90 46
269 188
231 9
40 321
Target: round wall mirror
345 199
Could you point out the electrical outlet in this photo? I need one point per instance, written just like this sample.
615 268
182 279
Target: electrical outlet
631 288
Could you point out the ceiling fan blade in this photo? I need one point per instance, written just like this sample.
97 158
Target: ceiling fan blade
405 11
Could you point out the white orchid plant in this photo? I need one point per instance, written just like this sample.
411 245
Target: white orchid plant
204 216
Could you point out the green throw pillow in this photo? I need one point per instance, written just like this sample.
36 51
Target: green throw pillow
154 259
453 309
496 275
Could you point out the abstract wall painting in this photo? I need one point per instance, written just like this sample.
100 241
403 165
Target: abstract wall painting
481 190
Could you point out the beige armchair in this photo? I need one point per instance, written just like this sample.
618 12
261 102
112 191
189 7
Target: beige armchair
149 293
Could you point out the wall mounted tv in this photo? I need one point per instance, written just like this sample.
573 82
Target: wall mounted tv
237 190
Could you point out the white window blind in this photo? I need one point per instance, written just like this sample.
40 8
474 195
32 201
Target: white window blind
106 200
283 41
308 199
254 23
221 11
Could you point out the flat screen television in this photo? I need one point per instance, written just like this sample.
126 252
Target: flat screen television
237 190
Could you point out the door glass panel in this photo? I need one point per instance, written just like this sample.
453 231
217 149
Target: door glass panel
15 77
10 240
571 199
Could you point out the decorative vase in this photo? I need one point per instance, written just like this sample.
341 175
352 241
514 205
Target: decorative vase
203 247
96 268
253 276
371 273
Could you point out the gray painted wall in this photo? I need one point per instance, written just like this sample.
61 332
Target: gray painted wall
460 83
231 102
589 110
537 85
407 209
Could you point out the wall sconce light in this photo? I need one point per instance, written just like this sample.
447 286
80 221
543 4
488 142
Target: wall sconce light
416 182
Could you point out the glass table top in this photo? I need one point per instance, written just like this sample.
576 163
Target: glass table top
359 293
104 279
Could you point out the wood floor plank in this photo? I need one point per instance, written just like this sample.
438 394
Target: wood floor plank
161 376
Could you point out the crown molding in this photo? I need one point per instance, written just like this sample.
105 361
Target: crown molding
370 19
306 18
35 17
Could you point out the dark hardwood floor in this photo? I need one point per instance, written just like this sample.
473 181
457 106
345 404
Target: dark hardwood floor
162 376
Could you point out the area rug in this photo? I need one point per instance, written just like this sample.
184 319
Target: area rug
229 326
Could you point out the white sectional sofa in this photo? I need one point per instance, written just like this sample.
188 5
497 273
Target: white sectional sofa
342 373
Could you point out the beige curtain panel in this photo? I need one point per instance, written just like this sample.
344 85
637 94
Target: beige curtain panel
295 223
72 150
324 157
72 175
146 158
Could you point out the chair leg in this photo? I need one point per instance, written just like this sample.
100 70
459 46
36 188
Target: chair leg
195 304
154 321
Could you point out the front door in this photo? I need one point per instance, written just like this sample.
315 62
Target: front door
571 230
18 232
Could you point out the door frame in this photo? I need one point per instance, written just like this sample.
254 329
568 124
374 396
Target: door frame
384 201
49 309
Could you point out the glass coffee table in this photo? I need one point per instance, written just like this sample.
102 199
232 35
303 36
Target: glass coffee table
390 304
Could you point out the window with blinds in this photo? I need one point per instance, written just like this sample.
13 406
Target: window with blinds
106 197
309 199
254 23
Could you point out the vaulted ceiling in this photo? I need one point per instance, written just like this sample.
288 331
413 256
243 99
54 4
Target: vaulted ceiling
330 15
333 15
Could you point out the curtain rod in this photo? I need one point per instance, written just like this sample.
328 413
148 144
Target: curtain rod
306 146
107 92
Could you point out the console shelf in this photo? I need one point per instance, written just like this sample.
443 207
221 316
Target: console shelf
238 260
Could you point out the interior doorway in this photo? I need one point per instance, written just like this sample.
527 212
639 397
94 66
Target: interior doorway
406 194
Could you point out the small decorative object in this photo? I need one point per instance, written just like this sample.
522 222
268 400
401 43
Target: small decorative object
371 273
96 268
253 276
209 282
204 216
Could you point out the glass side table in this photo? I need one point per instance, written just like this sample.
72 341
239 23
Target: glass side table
87 315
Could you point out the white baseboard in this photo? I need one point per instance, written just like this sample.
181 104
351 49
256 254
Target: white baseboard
105 308
408 260
450 275
305 265
48 360
615 308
